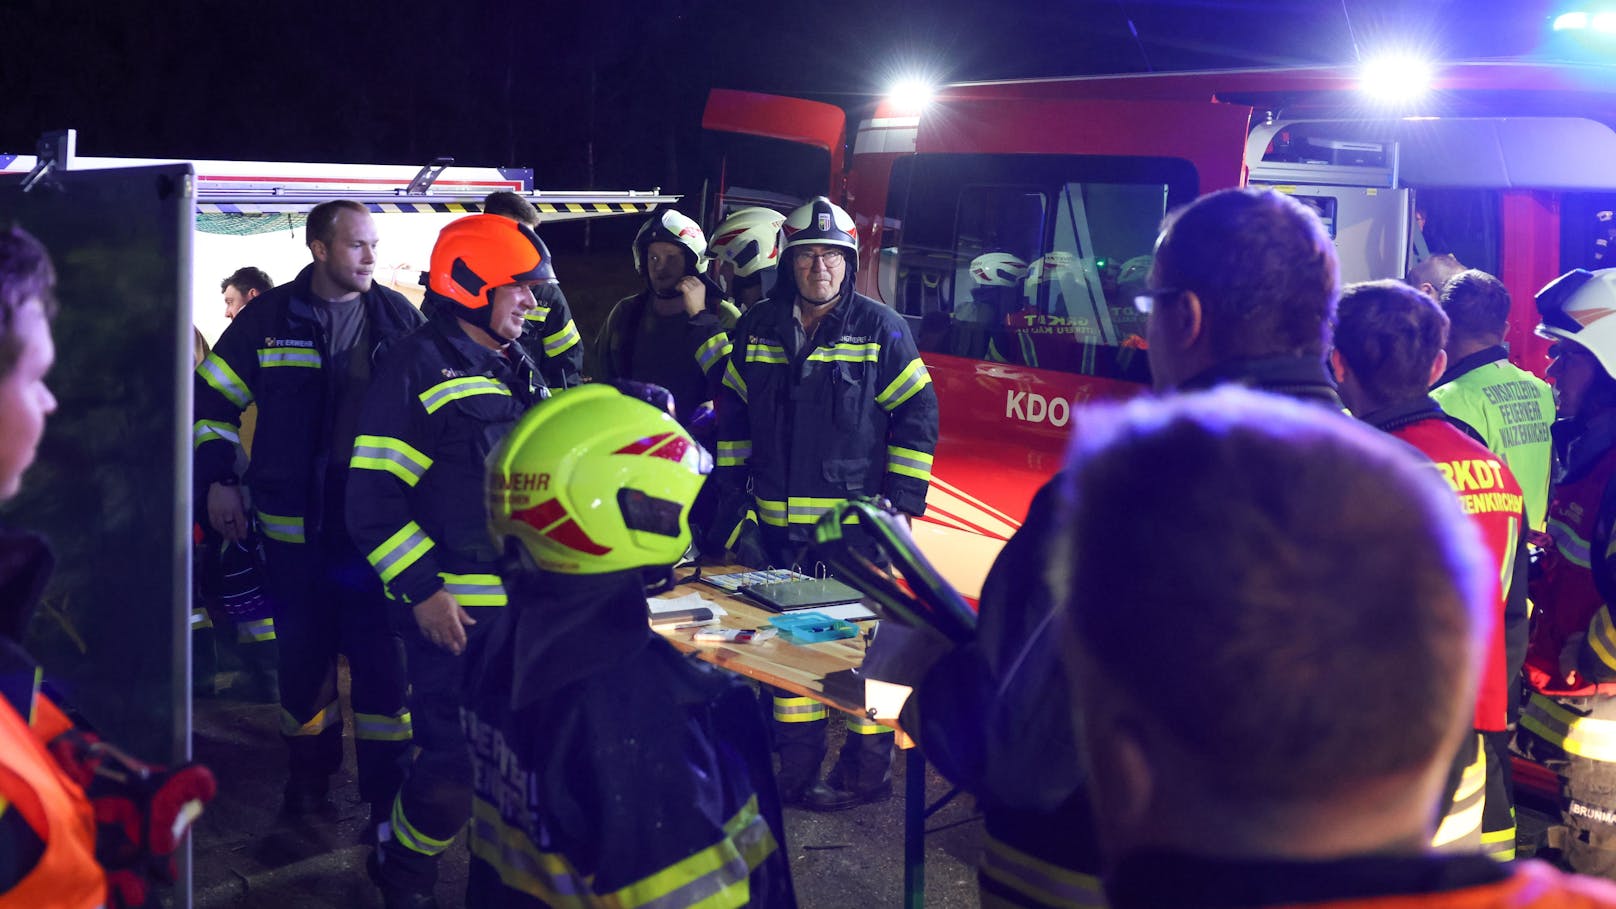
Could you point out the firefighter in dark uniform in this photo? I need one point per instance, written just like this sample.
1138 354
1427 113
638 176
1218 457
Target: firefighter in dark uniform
825 398
549 336
1569 722
608 768
995 715
1388 349
443 397
303 353
674 333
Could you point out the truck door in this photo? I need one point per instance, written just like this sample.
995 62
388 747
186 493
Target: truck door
769 150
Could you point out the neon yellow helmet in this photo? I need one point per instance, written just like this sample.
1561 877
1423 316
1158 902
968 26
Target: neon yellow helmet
593 481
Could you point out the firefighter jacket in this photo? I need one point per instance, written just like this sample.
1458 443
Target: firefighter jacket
690 369
552 340
272 354
47 825
438 405
1362 882
1491 497
608 768
1573 645
847 413
1511 410
993 717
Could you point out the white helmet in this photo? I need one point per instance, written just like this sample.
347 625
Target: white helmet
672 227
1580 307
749 240
821 222
998 269
1051 267
1135 270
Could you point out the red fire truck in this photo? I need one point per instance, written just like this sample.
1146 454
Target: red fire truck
1511 166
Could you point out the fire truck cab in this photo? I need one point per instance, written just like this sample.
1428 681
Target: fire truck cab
1505 165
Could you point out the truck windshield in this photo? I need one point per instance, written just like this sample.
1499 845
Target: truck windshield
1028 259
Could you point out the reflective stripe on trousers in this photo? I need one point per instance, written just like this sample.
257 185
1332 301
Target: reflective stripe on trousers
255 631
412 839
1035 882
1568 730
1460 830
329 716
798 710
717 876
379 727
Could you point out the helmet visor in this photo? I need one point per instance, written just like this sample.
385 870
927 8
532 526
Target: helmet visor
649 513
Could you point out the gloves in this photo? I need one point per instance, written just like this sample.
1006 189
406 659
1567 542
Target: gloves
142 811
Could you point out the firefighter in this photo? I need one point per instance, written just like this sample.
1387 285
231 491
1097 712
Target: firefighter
1510 408
443 397
1388 349
825 398
608 769
995 715
1272 620
1568 722
303 353
746 246
82 825
674 333
550 336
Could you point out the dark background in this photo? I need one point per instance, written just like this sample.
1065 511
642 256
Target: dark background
542 84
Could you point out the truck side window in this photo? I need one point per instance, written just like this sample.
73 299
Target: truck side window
1030 259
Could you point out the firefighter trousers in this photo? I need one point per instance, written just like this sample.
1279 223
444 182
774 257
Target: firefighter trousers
1570 736
434 801
800 724
329 602
800 729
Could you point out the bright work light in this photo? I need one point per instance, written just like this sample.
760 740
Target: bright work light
910 95
1398 78
1570 22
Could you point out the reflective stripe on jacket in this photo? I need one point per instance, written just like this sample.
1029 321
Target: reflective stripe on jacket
438 405
1568 600
272 354
851 413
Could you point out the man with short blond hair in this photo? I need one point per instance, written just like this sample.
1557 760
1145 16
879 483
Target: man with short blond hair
302 352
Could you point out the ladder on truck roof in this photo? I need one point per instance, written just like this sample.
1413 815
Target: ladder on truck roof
279 187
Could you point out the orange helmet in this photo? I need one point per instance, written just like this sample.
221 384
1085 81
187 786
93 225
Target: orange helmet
478 253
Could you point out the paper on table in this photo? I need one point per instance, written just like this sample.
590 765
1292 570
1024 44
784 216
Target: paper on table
851 612
688 601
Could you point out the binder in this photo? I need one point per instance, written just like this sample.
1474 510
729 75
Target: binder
806 593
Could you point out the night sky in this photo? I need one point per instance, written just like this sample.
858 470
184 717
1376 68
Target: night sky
537 84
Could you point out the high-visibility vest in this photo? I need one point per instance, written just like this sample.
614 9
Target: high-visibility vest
67 875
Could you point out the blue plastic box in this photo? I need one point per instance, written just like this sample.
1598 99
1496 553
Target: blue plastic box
813 627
